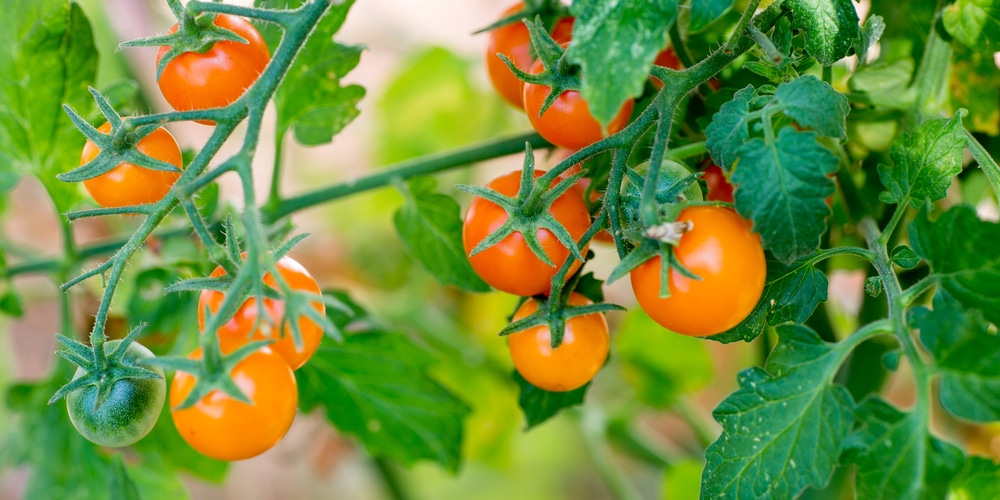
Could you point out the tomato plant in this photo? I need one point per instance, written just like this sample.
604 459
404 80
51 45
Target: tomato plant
574 363
217 76
256 322
129 184
225 428
719 188
129 410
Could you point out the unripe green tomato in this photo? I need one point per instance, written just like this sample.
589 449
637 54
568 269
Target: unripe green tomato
130 410
672 172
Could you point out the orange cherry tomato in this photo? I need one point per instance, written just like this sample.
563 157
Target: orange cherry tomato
223 428
580 356
722 251
568 122
245 321
129 184
514 42
510 266
719 188
219 76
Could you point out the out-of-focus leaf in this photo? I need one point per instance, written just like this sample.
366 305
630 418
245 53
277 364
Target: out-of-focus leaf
975 81
540 405
703 12
980 478
924 162
975 23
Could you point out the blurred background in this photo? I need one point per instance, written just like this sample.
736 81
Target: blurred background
426 92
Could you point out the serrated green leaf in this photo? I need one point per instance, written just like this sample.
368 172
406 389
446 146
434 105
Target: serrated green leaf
781 187
430 227
980 478
886 83
814 104
311 100
897 458
961 251
659 364
47 58
975 23
375 386
615 43
729 129
924 162
904 256
539 405
831 27
703 12
967 357
791 293
782 430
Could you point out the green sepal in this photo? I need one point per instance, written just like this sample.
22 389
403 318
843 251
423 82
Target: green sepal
212 372
220 284
555 315
194 34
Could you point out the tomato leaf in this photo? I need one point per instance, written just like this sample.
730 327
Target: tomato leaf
975 23
615 43
783 428
659 364
966 355
120 485
831 27
311 99
430 226
961 250
980 478
780 185
791 293
47 58
814 104
375 386
540 405
729 129
974 82
703 12
896 455
924 162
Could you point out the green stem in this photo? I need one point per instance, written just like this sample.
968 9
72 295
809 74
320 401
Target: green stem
932 76
985 160
274 198
593 427
704 428
916 290
897 216
390 479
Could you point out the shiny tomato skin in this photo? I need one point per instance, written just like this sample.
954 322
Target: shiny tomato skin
223 428
514 42
580 356
219 76
129 184
729 259
243 323
719 188
510 266
568 122
131 408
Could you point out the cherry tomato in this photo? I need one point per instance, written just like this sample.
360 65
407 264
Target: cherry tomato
129 184
568 122
719 188
580 356
510 266
219 76
722 251
244 323
514 42
131 408
223 428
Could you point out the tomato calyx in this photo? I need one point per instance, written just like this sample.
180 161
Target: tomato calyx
103 369
195 33
528 211
554 314
557 74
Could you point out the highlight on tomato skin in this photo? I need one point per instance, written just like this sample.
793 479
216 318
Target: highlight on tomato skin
575 362
223 428
513 40
728 258
218 77
129 184
510 265
568 123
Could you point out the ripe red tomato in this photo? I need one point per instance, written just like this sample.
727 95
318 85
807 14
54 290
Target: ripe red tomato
129 184
219 76
580 356
223 428
245 321
719 188
722 251
510 266
514 42
568 122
